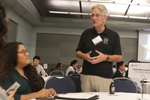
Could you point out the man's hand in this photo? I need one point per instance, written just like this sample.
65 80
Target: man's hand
87 57
97 59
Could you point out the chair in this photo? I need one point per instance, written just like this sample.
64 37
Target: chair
64 70
72 72
125 85
57 72
61 84
43 82
76 79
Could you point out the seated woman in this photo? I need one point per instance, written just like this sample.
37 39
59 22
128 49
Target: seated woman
16 66
59 67
72 69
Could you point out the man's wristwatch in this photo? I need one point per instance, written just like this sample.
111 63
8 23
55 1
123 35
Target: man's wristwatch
107 58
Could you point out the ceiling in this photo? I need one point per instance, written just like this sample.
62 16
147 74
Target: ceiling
123 14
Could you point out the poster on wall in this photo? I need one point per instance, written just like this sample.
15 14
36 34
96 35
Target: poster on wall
45 66
140 70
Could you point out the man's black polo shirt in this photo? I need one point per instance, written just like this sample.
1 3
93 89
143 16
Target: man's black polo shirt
110 45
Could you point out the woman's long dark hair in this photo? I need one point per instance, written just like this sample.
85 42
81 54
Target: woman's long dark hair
9 61
3 25
58 66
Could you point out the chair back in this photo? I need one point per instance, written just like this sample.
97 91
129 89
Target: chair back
125 85
42 80
77 81
64 71
72 72
61 84
57 72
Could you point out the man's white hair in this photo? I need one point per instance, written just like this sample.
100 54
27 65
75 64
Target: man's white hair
102 8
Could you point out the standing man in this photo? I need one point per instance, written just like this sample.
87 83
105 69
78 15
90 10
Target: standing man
98 47
39 68
120 70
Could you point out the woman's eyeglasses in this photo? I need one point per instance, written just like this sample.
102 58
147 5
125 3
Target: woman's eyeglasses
23 51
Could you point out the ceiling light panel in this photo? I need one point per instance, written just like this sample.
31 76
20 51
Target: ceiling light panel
137 10
61 5
142 2
114 9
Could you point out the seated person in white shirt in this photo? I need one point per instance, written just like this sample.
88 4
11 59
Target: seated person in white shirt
120 70
114 68
39 68
73 67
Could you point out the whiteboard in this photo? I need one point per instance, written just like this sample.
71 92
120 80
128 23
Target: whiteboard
139 70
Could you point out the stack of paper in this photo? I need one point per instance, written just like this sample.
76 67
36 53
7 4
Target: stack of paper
79 96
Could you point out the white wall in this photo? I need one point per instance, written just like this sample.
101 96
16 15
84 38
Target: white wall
25 33
127 34
58 30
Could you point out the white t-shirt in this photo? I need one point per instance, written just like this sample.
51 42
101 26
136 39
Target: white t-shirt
70 68
40 70
114 70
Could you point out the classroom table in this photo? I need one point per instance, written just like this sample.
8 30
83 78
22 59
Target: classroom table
116 96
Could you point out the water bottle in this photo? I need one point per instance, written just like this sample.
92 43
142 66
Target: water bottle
112 88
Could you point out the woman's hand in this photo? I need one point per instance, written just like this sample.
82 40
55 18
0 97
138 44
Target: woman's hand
11 96
79 71
43 93
52 92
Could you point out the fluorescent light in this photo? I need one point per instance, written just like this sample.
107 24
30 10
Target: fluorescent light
118 16
135 17
58 12
76 13
124 3
113 2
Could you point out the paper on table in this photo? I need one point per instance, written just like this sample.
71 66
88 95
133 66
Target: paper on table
76 95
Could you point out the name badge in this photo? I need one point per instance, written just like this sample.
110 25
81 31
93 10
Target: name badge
97 40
